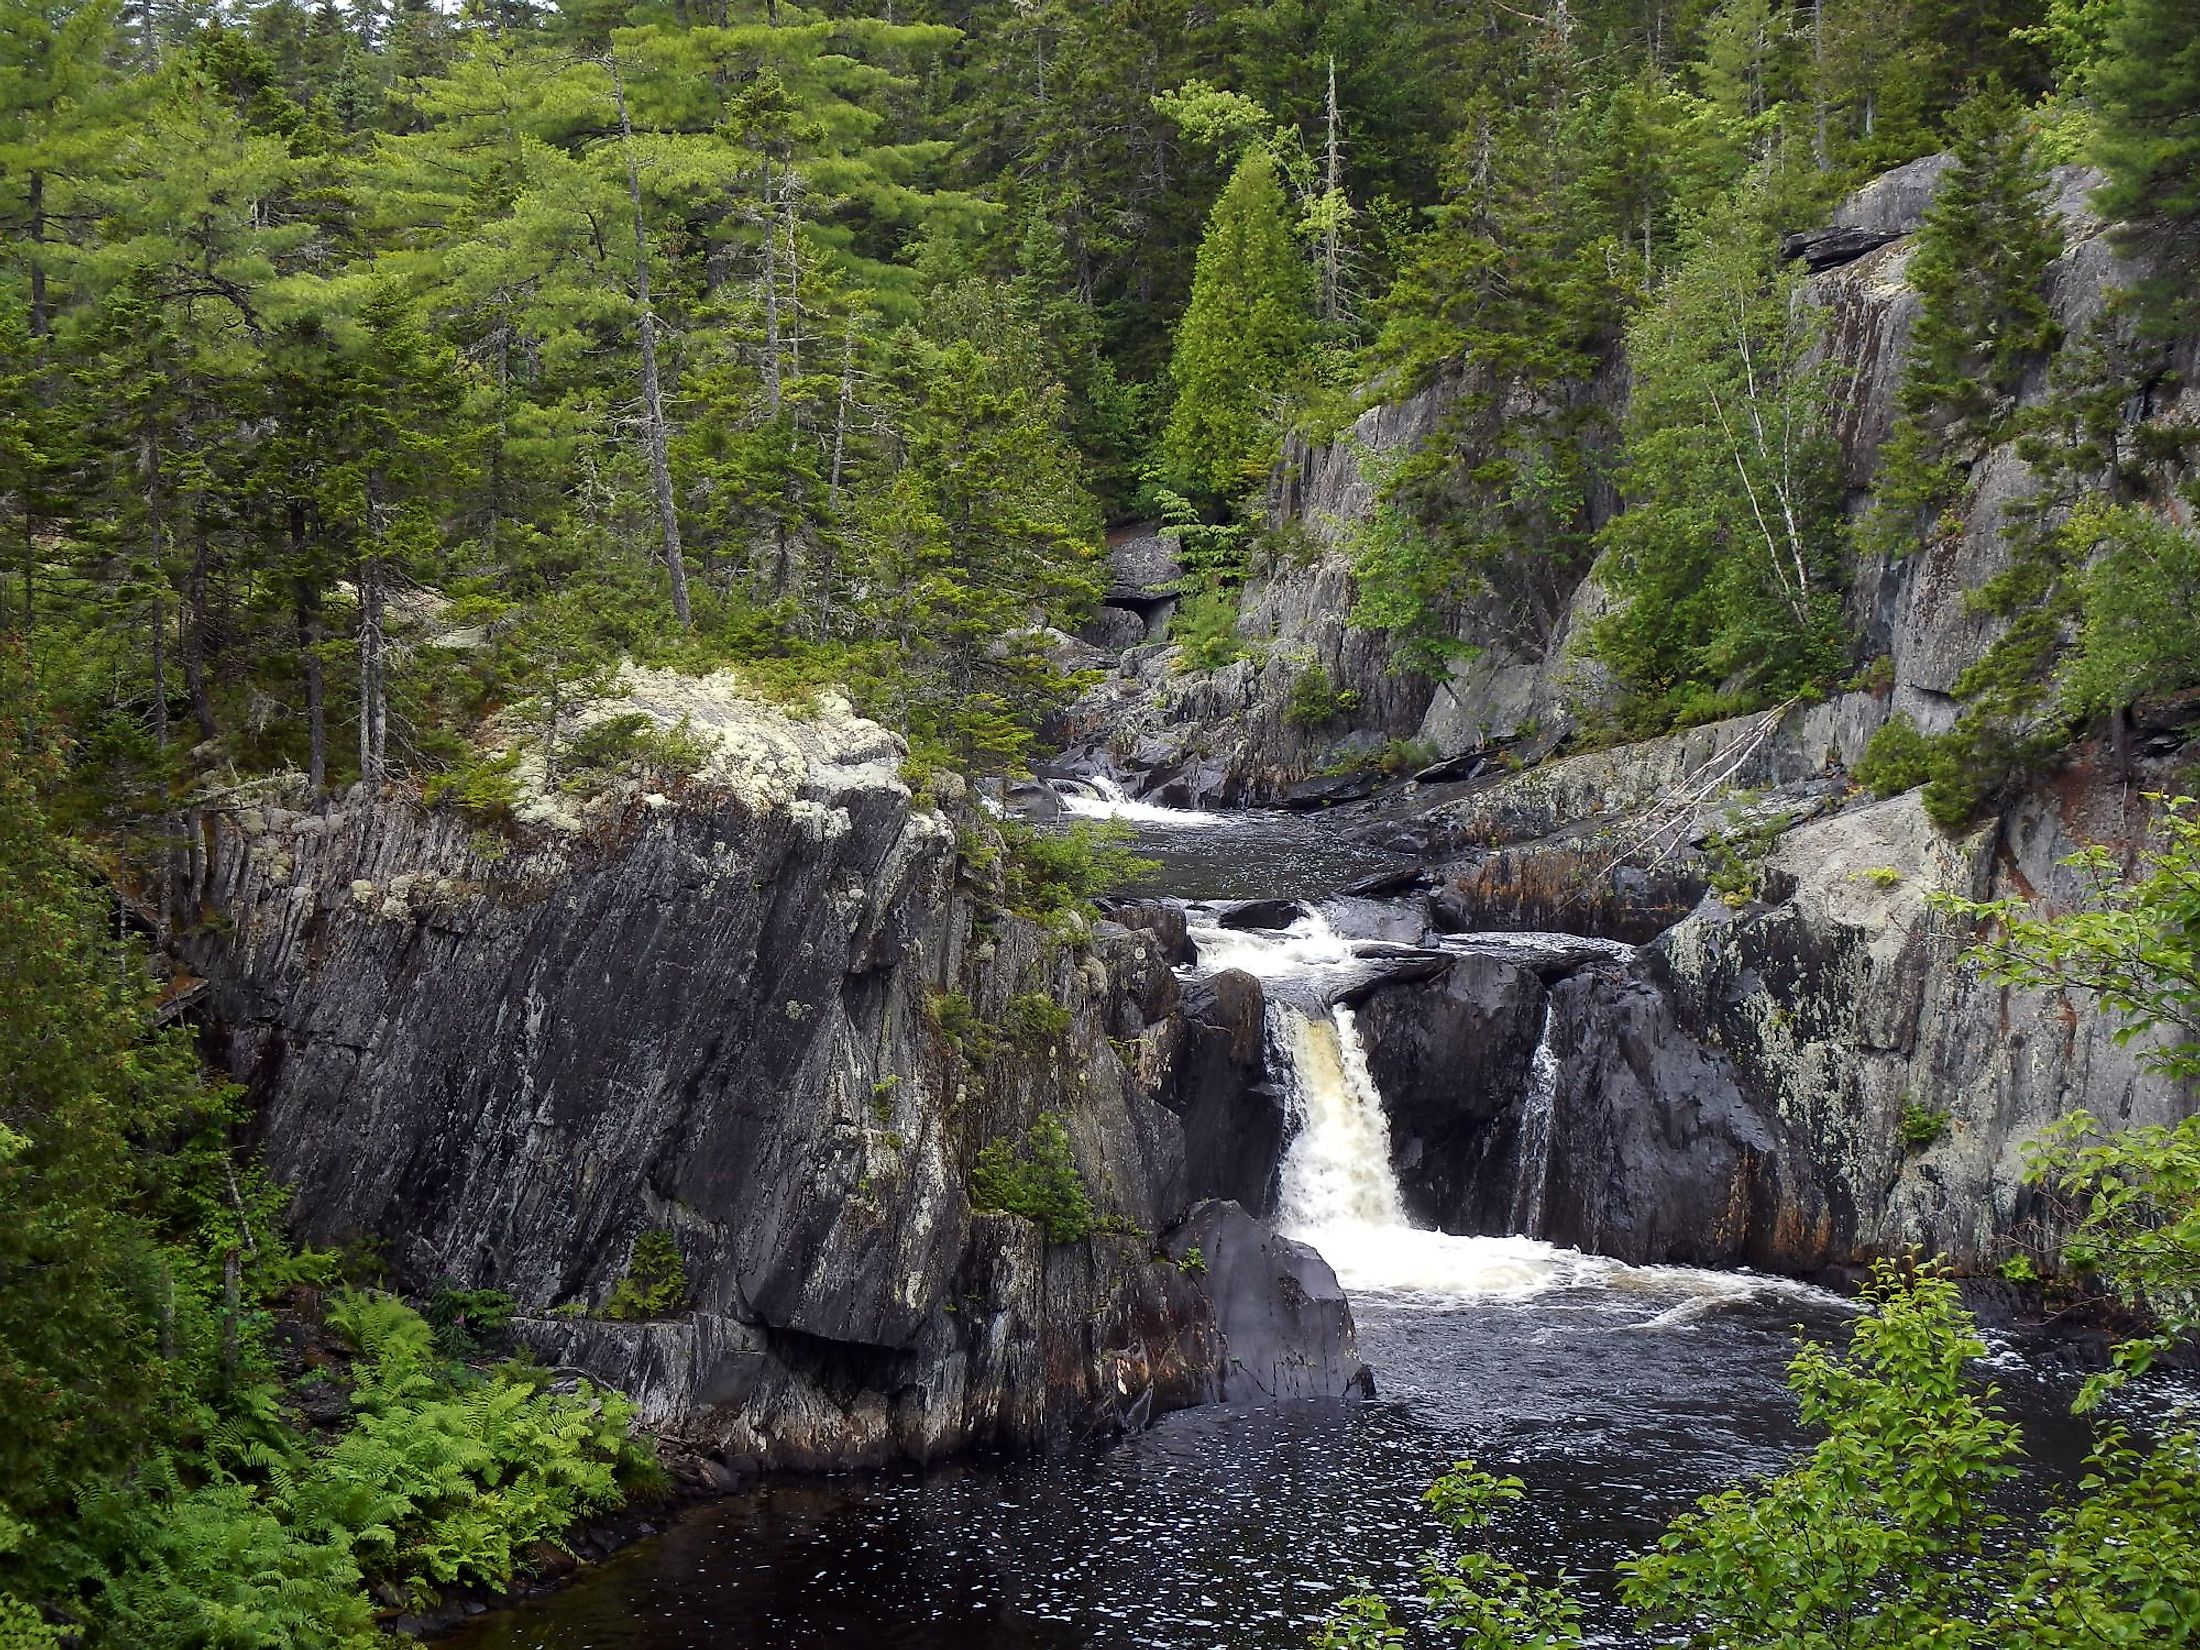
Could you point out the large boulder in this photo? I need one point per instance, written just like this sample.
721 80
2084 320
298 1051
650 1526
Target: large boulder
1285 1323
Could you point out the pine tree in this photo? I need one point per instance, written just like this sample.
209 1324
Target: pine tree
2147 87
1242 347
1983 319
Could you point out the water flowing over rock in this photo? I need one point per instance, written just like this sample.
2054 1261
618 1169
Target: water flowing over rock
754 1016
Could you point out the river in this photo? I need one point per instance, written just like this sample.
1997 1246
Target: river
1616 1393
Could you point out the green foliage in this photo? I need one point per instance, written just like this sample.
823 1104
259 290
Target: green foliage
468 1323
2130 1200
1478 1600
1922 1126
2134 944
1983 322
1036 1021
655 1283
1241 347
2138 602
1053 876
1316 701
1204 627
1898 758
1724 565
2146 84
483 788
1878 1535
1038 1179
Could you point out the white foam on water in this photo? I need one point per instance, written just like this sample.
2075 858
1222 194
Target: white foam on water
1307 947
1096 796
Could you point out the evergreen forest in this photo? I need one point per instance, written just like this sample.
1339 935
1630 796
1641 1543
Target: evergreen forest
375 374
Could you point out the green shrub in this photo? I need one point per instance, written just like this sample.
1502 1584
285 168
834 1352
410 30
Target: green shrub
484 789
1316 701
632 746
1922 1126
468 1323
655 1284
955 1017
1036 1020
1204 628
1054 873
1898 759
1038 1180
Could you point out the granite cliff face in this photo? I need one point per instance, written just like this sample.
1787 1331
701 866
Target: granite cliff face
752 1015
1765 1080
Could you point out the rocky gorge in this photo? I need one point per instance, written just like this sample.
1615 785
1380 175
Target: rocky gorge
779 1013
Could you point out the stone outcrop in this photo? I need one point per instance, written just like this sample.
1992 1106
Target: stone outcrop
776 1016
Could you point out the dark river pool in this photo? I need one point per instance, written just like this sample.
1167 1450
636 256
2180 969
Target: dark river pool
1616 1394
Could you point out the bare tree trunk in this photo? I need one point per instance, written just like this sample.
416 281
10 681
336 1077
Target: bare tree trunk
794 279
194 635
373 650
370 671
653 401
1821 142
771 299
1332 275
306 603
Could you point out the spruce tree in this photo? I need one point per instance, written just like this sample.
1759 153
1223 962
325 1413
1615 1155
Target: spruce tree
1244 341
1983 319
2147 87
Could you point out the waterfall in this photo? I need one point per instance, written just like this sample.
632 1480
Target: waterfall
1339 1192
1338 1171
1532 1178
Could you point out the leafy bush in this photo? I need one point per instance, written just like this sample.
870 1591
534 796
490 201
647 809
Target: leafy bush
1052 874
1922 1126
1039 1180
955 1017
632 745
1204 627
468 1323
1036 1020
655 1284
1899 758
1316 701
483 788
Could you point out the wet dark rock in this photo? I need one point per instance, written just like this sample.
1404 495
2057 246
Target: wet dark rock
718 1018
1234 1116
1568 886
1823 249
1260 913
1657 1154
1386 884
1286 1325
1114 627
1451 1056
1327 790
1163 919
1393 921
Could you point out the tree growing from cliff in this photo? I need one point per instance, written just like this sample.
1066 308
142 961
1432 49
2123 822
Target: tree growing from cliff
2147 89
1242 348
1724 562
1979 271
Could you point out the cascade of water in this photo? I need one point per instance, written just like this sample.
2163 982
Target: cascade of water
1532 1177
1338 1171
1339 1191
1098 796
